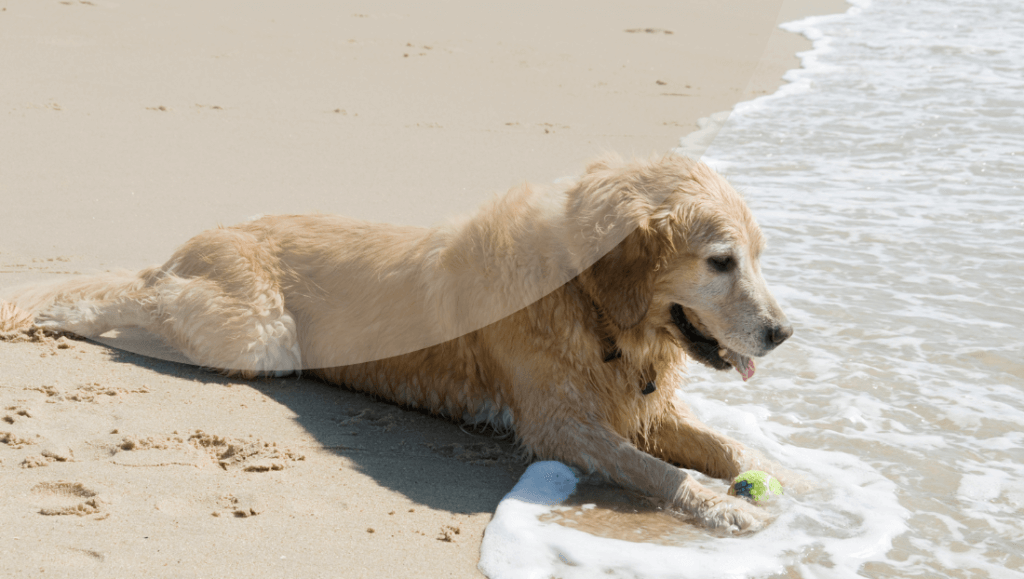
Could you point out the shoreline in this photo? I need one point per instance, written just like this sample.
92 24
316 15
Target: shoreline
117 463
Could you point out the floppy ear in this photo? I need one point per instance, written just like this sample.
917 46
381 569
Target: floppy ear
622 282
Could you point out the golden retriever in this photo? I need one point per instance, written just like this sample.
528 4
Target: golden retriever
565 313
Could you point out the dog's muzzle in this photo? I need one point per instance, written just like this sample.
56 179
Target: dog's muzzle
702 348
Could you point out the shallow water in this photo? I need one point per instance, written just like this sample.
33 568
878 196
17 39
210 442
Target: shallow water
889 177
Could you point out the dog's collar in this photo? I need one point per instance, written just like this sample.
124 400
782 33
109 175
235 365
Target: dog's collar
611 349
612 352
615 354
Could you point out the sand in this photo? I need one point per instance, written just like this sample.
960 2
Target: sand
129 127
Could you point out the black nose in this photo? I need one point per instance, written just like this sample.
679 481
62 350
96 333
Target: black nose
779 334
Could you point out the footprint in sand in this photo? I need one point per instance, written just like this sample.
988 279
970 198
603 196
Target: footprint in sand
478 453
200 449
385 419
87 392
51 453
157 451
241 506
13 440
15 413
66 498
35 461
249 455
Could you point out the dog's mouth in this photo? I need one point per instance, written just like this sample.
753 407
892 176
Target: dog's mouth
706 349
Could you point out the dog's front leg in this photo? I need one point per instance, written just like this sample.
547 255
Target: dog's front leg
682 439
598 450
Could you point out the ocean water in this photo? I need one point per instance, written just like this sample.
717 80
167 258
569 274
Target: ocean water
889 178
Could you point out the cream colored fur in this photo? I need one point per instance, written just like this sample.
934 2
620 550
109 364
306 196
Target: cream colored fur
504 317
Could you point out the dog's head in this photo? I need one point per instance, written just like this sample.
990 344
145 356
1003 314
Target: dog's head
685 262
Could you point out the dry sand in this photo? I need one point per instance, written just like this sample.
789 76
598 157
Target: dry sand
128 127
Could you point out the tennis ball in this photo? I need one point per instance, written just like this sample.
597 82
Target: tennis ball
756 485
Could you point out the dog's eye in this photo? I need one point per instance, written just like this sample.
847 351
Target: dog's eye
721 263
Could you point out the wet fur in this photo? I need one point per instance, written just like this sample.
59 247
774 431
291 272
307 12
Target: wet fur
506 317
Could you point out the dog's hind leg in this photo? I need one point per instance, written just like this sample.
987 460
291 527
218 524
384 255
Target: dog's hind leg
90 318
246 331
251 335
217 300
220 302
87 306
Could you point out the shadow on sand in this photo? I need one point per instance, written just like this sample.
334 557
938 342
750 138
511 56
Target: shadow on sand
431 460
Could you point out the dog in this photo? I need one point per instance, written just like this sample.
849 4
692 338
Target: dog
564 313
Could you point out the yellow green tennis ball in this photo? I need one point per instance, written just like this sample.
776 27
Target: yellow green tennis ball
756 485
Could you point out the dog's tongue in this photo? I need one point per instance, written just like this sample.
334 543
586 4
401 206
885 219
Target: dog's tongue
744 365
748 371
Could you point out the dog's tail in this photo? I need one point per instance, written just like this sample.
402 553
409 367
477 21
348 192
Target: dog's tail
22 303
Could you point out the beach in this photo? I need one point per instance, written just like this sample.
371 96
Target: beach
128 128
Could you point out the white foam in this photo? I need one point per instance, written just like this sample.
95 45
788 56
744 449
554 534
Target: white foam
852 518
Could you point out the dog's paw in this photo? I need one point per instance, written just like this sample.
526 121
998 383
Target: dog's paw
734 515
722 512
69 318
